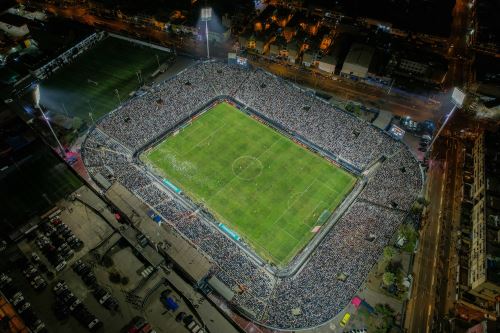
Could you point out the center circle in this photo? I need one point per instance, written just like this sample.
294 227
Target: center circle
247 167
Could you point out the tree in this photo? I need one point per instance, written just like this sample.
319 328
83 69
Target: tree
77 123
417 208
115 277
106 261
423 201
384 310
388 278
389 253
124 280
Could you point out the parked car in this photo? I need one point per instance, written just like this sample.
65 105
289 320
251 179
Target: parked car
38 283
61 266
23 307
180 316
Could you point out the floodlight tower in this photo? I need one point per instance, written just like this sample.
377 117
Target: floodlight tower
37 105
457 97
206 15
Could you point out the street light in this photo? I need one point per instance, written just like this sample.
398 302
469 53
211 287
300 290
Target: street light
37 105
206 15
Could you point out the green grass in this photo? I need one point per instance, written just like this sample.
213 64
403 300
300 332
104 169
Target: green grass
113 64
264 186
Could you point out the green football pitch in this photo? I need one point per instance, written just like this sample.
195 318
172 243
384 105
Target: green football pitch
89 83
265 187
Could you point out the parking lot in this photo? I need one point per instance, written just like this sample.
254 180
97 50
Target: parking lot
82 271
77 273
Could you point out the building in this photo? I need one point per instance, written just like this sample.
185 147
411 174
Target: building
484 260
13 25
274 50
293 53
427 68
309 58
327 64
358 61
413 66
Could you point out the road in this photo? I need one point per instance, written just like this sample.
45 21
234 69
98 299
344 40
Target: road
459 53
421 304
451 222
434 269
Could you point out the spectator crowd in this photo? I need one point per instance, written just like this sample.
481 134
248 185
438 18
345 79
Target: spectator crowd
338 266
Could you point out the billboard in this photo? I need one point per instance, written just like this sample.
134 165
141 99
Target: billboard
397 132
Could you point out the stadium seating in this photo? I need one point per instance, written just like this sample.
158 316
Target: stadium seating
111 147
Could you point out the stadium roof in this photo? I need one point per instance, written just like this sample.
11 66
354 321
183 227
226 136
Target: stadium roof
185 255
383 119
127 203
221 288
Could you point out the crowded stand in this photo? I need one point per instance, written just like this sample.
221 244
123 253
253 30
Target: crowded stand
342 134
393 181
313 295
349 249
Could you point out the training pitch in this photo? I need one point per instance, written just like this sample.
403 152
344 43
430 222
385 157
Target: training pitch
265 187
93 82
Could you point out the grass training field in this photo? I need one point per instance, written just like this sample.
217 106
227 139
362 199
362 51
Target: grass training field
89 83
268 189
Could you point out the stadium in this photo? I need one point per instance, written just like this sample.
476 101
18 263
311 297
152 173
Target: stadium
291 199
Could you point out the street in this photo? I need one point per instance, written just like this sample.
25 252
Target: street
420 306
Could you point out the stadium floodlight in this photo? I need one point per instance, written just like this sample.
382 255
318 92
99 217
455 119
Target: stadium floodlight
206 15
36 96
457 98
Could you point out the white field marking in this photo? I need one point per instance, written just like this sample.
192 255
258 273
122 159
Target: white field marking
319 203
232 179
204 139
331 188
292 198
286 210
252 158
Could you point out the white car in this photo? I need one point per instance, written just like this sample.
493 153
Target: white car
17 300
59 286
29 270
104 298
38 326
35 257
38 282
75 304
93 323
61 266
24 307
5 279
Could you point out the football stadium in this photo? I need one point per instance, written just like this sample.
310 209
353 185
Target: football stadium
292 199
